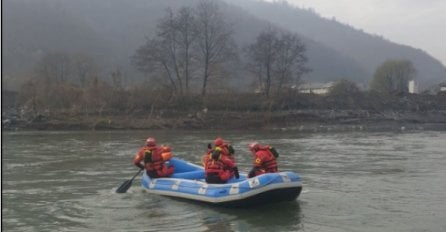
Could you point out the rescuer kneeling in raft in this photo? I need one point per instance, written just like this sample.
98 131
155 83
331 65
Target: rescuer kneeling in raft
153 158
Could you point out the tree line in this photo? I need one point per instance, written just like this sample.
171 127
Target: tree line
195 45
192 48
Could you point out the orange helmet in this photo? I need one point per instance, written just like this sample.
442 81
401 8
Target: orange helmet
218 141
254 146
151 142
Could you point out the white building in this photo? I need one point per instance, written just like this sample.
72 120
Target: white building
443 87
412 86
316 88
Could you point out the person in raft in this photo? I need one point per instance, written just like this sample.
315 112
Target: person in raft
153 158
264 159
226 149
218 168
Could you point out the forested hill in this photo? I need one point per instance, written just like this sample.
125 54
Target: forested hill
367 50
110 31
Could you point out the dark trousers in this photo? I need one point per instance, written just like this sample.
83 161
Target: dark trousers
214 179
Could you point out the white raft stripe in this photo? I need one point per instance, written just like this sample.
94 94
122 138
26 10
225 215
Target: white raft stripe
234 189
202 189
253 182
176 185
152 183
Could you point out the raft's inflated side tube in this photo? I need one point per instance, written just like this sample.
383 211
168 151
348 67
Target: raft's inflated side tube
184 166
193 175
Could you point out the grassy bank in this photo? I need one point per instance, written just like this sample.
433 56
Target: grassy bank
306 120
231 111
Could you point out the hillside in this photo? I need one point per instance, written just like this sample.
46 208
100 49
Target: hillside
367 50
111 31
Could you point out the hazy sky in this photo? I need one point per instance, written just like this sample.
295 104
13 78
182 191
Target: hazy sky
417 23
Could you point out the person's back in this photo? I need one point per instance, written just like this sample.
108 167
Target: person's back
219 168
264 159
154 158
226 148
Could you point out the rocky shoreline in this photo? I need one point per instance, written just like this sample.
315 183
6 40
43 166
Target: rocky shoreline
300 120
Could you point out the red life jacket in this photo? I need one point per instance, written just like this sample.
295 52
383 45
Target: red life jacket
225 151
221 167
213 166
268 161
153 160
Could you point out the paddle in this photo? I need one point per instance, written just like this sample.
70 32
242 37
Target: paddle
127 184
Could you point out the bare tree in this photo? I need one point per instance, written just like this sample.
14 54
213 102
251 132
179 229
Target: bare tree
84 68
54 68
278 61
186 36
117 79
167 34
214 43
57 68
97 95
168 53
28 96
151 58
291 60
261 57
186 41
52 72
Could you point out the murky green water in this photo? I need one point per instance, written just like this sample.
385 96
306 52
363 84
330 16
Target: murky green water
353 181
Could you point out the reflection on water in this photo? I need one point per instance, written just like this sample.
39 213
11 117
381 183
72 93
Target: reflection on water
353 181
284 216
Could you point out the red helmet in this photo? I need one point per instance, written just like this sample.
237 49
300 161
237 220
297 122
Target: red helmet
151 142
254 146
218 141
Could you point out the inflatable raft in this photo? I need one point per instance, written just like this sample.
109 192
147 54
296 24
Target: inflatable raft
188 183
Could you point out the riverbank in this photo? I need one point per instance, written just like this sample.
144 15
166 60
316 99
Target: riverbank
302 120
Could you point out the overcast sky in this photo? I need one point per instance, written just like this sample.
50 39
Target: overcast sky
417 23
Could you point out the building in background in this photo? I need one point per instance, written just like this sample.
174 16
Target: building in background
316 88
412 85
443 87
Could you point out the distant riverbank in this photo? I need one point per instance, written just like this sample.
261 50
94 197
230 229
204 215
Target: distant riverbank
302 120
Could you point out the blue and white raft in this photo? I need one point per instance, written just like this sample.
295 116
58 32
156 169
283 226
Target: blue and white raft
188 183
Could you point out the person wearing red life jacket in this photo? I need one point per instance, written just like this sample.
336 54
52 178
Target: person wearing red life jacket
218 168
264 159
226 149
153 158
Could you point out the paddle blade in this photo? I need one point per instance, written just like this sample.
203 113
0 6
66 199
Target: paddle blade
124 187
127 184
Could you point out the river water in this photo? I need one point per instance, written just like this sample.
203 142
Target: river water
352 181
